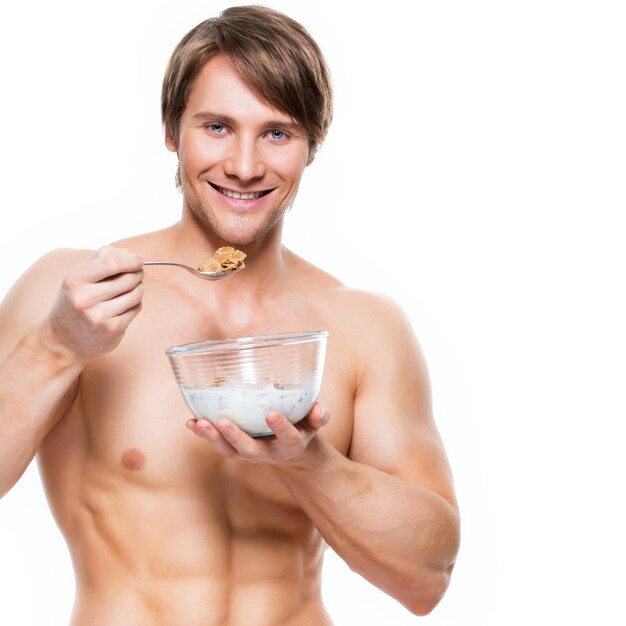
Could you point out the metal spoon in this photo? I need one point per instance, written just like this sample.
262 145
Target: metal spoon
198 273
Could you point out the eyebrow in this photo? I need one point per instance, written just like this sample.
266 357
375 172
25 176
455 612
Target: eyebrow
222 118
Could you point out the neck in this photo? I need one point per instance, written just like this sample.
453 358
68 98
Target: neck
194 242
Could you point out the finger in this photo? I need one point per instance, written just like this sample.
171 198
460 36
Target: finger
240 441
109 262
318 417
120 304
206 430
285 431
107 249
113 286
127 317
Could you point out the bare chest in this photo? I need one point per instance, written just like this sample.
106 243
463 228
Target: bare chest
131 415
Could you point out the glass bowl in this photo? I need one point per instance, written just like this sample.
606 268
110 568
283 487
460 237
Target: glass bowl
243 378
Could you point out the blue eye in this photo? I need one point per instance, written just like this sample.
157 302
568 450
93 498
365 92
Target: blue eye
277 134
216 128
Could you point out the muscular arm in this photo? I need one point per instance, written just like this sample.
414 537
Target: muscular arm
37 383
388 510
400 536
48 334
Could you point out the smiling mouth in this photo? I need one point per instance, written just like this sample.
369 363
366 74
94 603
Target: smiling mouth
238 195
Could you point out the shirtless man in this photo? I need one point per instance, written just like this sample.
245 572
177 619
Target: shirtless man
199 525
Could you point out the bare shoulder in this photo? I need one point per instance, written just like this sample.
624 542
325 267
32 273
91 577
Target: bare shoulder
45 275
364 311
394 427
373 305
30 299
365 318
382 331
325 288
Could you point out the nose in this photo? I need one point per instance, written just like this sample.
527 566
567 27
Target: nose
244 160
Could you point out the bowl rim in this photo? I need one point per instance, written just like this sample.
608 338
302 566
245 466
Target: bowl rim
247 342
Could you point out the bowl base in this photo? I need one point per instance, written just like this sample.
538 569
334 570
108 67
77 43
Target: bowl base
268 433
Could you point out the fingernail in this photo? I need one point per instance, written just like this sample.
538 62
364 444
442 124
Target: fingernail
324 415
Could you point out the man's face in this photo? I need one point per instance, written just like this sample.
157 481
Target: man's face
241 160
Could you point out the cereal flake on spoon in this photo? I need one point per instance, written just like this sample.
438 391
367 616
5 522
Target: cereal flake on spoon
225 259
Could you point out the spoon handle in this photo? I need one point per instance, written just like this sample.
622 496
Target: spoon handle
165 263
206 275
185 267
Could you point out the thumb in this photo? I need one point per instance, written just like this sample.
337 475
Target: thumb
320 416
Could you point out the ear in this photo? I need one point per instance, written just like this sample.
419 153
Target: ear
312 153
170 144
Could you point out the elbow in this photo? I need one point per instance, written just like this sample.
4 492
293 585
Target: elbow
5 487
421 601
6 484
429 584
422 606
9 475
422 594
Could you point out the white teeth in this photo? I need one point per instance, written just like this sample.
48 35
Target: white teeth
240 196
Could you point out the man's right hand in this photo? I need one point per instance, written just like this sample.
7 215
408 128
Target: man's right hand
97 301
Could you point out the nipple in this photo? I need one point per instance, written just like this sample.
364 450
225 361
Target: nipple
133 459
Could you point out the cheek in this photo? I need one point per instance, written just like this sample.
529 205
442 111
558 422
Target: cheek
291 165
193 151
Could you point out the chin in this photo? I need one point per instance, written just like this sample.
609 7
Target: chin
240 232
239 237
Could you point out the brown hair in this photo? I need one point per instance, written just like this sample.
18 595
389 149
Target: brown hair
273 53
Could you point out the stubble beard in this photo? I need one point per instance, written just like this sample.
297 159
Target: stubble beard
237 231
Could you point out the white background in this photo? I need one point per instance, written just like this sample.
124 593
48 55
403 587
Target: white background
478 149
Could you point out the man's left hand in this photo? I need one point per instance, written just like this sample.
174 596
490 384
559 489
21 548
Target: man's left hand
288 446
